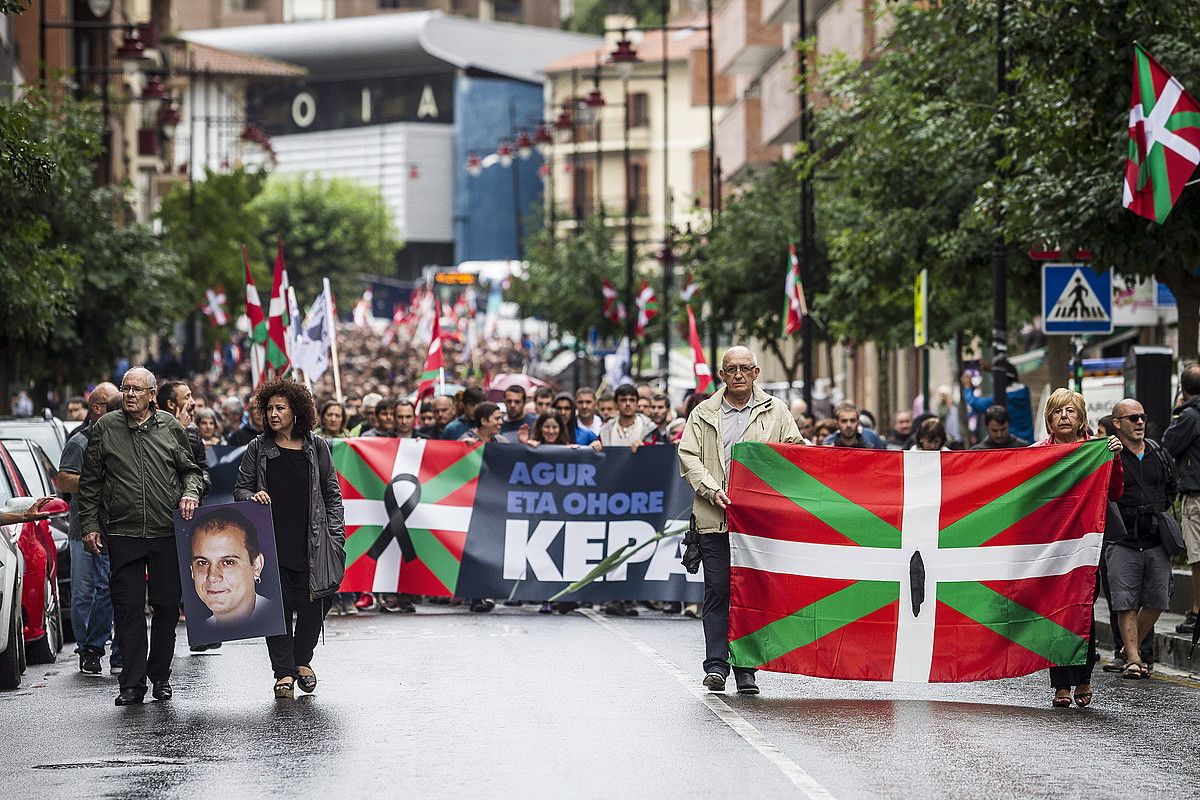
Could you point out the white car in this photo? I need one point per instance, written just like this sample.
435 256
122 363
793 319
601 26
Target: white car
12 638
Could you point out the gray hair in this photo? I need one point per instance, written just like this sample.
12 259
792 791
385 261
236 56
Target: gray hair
232 404
208 413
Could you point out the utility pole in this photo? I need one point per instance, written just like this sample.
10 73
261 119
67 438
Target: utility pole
807 223
999 248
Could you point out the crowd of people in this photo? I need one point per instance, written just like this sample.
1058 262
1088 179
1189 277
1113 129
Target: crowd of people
286 428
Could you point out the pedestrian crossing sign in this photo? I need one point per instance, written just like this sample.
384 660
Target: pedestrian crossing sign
1076 299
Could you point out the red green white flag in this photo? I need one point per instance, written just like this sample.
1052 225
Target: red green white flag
647 308
914 566
699 365
794 305
258 325
435 362
1164 139
278 318
408 509
614 309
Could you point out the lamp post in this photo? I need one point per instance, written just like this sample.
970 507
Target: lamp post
999 247
807 223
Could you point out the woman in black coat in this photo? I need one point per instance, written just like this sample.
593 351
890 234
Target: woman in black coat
290 469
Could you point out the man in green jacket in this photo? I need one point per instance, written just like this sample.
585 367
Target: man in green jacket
738 412
137 470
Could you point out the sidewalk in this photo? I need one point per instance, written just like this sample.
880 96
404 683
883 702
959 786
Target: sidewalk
1170 648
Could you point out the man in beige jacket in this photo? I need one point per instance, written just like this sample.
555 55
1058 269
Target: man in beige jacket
738 412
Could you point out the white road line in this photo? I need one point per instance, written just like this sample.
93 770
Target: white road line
753 736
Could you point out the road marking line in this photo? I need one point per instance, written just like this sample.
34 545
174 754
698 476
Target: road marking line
740 725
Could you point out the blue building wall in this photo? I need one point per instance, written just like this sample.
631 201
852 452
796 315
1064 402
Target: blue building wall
487 111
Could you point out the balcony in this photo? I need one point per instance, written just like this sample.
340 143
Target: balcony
780 102
739 140
743 45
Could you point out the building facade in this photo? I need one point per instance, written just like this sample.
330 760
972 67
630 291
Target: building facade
204 14
399 102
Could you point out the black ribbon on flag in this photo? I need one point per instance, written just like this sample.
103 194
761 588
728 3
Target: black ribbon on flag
398 514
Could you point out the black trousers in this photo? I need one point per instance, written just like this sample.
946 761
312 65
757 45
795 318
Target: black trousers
714 552
138 565
1069 677
295 647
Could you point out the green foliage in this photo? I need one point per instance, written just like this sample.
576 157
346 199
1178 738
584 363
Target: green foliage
904 174
332 228
589 14
563 278
207 223
741 267
74 284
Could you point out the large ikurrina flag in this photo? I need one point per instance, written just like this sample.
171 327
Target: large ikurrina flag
408 508
914 566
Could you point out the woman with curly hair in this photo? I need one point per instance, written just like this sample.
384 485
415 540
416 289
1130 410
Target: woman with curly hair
290 469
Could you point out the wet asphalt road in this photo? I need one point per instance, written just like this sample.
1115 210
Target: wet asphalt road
511 704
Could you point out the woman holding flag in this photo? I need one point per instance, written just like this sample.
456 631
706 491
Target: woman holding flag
1066 422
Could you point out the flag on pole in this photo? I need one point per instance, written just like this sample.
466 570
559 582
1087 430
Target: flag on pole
1164 139
258 325
794 306
277 318
690 288
616 365
314 338
699 365
215 365
918 566
434 362
214 306
614 309
394 327
647 308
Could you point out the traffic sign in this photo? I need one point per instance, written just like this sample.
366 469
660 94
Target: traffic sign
1075 299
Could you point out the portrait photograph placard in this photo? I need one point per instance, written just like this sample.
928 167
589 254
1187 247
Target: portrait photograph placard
230 573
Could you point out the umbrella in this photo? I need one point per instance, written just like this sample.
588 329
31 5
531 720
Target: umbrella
505 380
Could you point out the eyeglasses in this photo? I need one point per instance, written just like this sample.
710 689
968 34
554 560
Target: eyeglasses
134 389
737 369
1133 417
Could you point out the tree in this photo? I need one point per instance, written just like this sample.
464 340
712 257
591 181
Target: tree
331 228
563 278
741 267
905 164
1069 138
75 285
589 14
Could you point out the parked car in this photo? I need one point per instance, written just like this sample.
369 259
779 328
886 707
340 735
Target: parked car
12 571
41 477
49 432
40 607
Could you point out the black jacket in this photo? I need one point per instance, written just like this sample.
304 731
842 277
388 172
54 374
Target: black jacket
1182 441
327 536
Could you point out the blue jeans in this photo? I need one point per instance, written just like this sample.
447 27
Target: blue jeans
91 602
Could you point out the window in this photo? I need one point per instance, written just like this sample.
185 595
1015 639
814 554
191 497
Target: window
508 10
639 110
638 186
583 188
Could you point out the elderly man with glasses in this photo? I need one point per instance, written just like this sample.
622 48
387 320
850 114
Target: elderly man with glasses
739 412
137 470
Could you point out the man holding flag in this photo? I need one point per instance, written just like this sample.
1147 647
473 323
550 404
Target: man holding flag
739 411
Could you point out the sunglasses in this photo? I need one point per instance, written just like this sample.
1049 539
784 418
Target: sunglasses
1133 417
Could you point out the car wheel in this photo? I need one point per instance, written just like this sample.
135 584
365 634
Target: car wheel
10 660
45 650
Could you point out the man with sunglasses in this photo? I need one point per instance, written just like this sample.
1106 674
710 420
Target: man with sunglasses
137 470
739 411
1139 569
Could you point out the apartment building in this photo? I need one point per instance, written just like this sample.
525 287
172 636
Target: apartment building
203 14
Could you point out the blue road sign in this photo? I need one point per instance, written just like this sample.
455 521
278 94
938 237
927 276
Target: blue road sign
1075 299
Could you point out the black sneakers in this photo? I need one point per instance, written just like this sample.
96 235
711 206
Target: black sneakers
1188 625
714 682
89 662
745 683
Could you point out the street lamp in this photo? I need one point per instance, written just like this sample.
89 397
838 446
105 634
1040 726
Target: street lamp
153 95
624 57
524 146
132 53
169 118
504 153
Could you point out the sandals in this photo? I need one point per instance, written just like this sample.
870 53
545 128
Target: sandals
1083 698
307 680
1062 700
284 688
1135 670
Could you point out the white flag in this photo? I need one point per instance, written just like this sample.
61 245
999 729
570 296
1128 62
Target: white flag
314 339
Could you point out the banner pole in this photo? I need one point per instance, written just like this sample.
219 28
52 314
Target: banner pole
441 380
337 372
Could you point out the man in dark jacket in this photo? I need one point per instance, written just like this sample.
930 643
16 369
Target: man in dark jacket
137 470
1182 441
995 419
